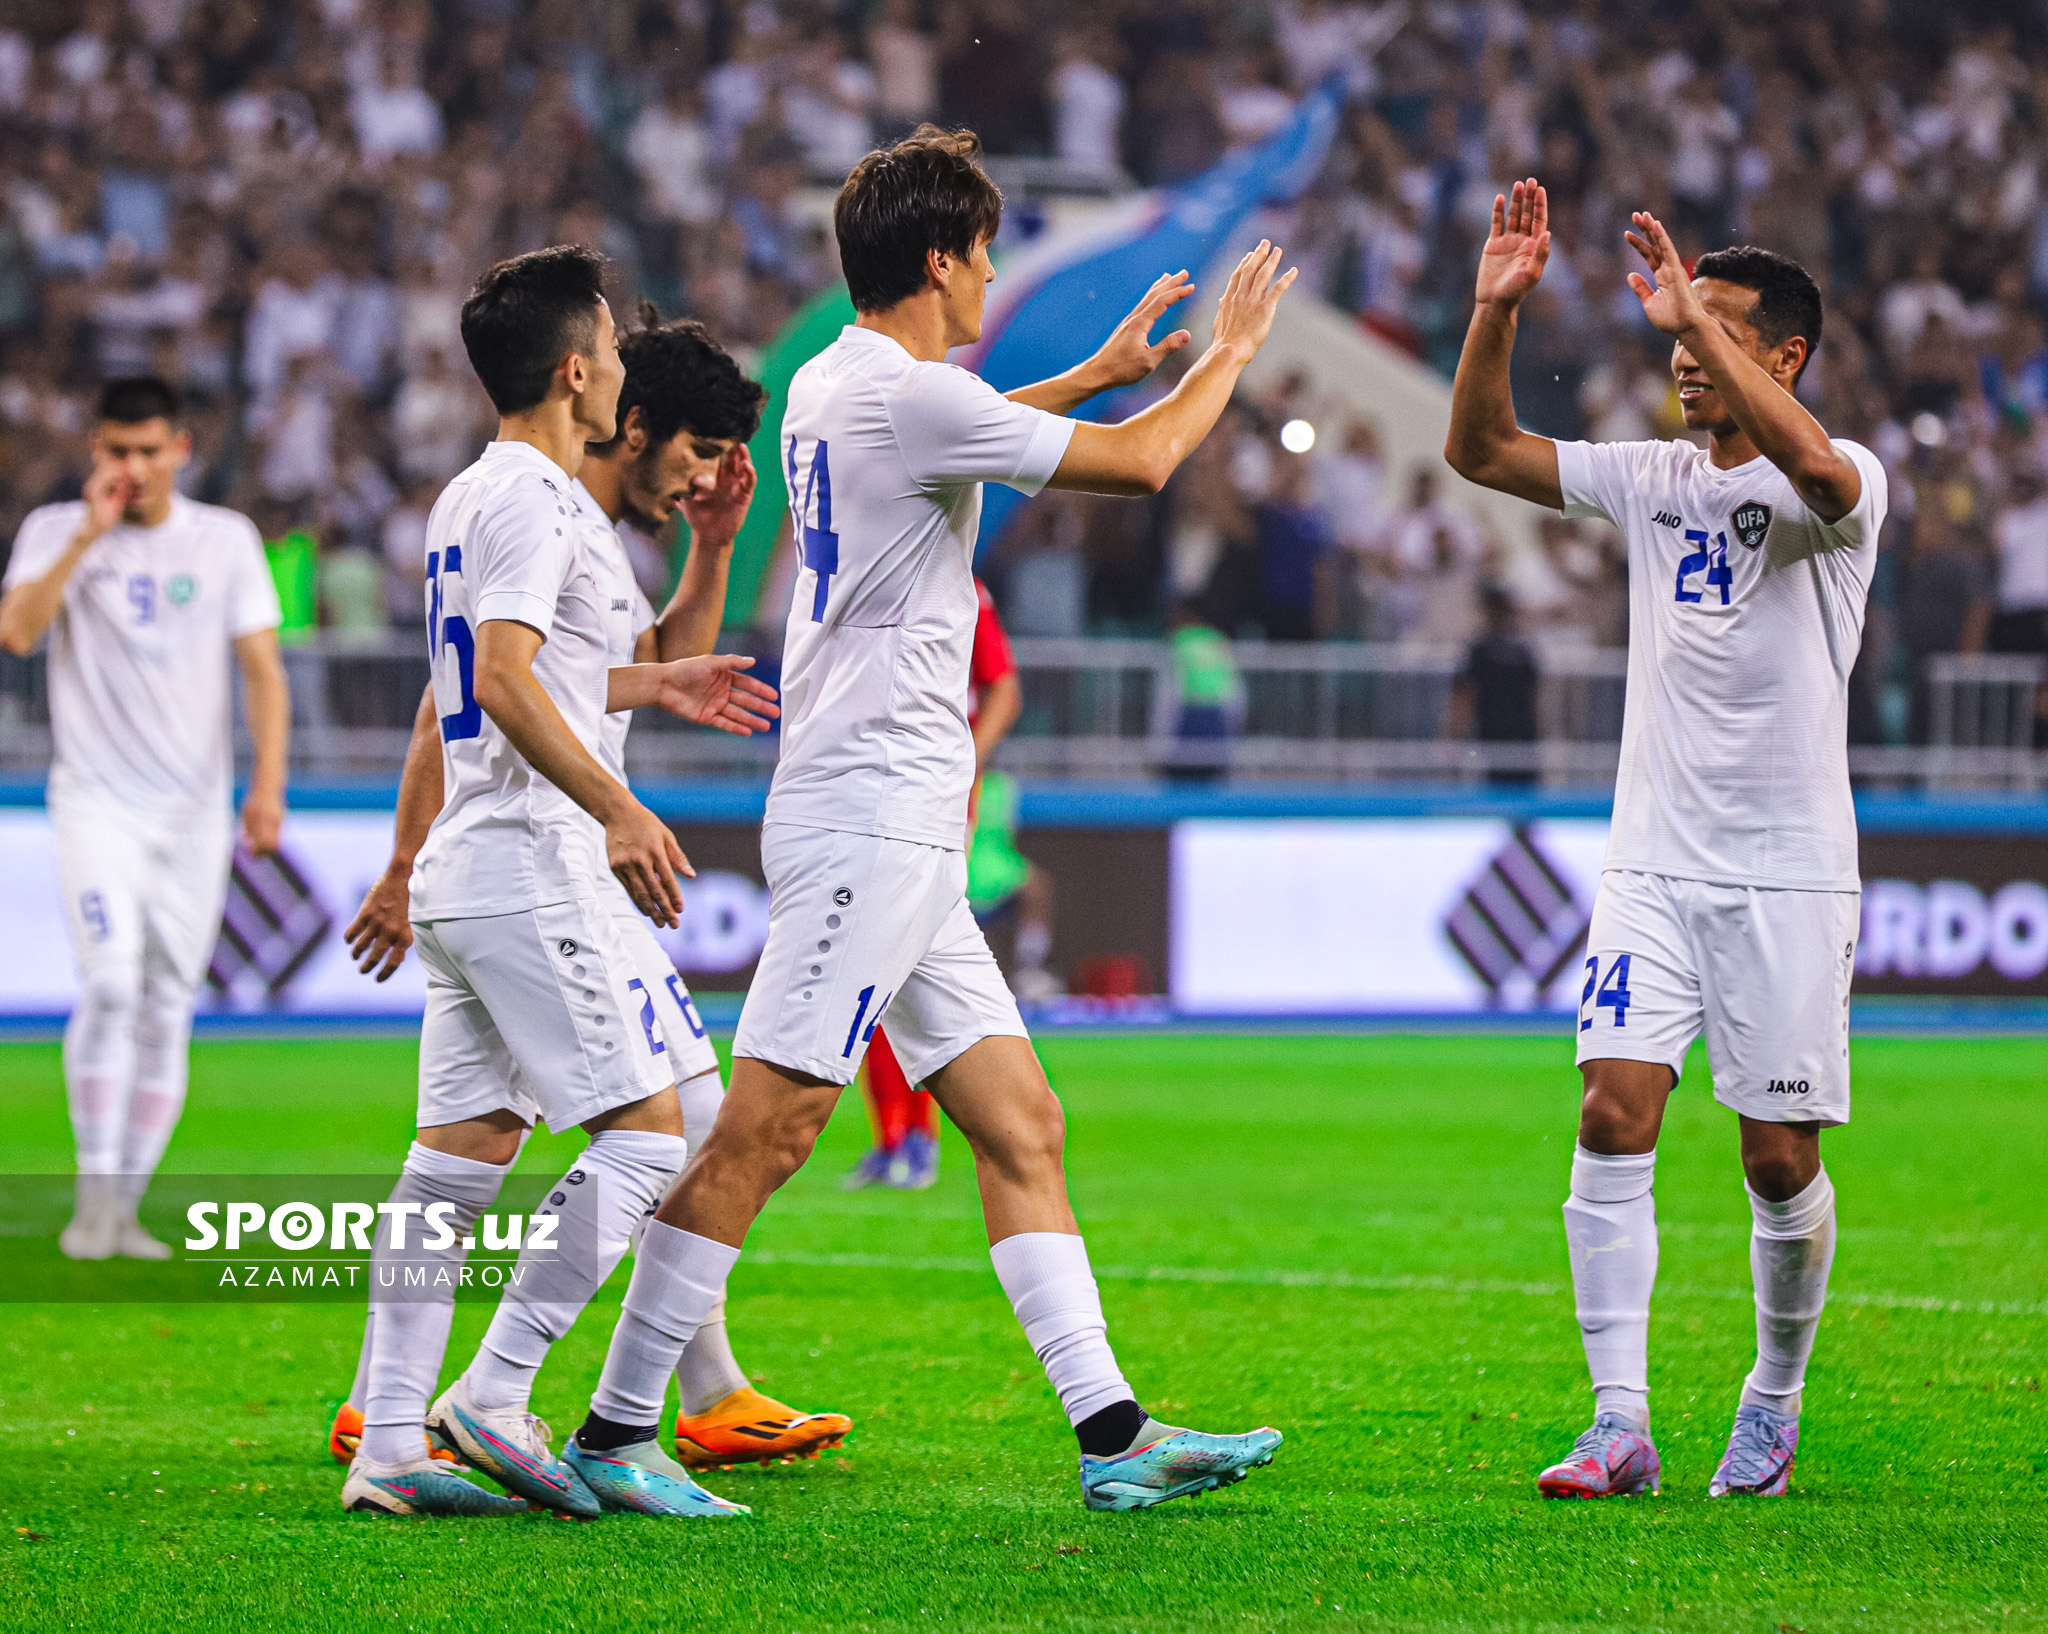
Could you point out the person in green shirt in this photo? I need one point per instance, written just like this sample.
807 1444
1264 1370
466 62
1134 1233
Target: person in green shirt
1206 681
294 556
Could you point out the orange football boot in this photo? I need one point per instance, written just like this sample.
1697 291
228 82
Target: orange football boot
750 1428
346 1435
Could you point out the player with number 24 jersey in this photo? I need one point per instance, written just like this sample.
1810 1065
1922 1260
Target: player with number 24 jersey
1729 903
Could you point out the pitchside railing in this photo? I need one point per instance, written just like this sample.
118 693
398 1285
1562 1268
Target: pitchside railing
1110 709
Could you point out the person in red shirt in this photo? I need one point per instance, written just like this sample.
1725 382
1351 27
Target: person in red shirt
906 1150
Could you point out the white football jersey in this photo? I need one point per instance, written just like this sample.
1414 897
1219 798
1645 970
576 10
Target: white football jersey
1745 615
509 539
141 649
885 457
608 556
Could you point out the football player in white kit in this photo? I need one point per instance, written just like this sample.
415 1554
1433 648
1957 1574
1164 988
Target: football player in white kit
1729 901
145 593
684 417
886 447
532 1008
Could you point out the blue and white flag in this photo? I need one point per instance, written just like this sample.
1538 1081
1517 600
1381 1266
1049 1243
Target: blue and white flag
1056 306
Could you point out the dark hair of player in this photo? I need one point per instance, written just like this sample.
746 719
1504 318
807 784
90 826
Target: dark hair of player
1787 299
923 193
681 379
136 398
525 315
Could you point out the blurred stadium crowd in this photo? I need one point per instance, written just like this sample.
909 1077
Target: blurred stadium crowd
280 205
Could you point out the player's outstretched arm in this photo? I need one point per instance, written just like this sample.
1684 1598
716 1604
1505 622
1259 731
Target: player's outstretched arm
638 845
1127 357
1137 455
26 610
710 691
1769 415
382 929
689 624
267 702
1485 445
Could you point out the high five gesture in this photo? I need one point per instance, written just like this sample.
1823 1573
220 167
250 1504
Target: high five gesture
1517 247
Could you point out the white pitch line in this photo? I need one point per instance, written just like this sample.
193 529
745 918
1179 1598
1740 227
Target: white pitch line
1260 1277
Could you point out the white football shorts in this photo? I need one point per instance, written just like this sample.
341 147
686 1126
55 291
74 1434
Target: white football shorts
543 1013
142 891
666 1008
1763 973
863 929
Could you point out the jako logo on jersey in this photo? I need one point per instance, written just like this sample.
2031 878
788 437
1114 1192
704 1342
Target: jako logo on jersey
621 605
842 896
1788 1086
180 588
568 948
1751 522
1667 519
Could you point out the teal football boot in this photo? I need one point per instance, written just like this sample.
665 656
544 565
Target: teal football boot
645 1480
1174 1466
421 1488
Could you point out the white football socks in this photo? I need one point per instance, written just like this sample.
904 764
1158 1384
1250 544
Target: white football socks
678 1281
163 1035
700 1098
1791 1248
412 1293
707 1374
1053 1292
359 1392
1610 1225
99 1063
604 1197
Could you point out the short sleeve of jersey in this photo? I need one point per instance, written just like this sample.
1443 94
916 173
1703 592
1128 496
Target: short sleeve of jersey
524 550
40 542
1593 478
954 428
253 605
1864 522
644 618
992 659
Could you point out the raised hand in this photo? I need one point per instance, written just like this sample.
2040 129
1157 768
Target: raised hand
108 493
1244 315
644 855
711 692
1670 303
1127 355
382 927
1517 245
715 517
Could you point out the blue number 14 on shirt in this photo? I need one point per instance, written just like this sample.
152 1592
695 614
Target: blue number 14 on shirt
817 545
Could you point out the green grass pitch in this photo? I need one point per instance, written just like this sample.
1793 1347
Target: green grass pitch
1356 1239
